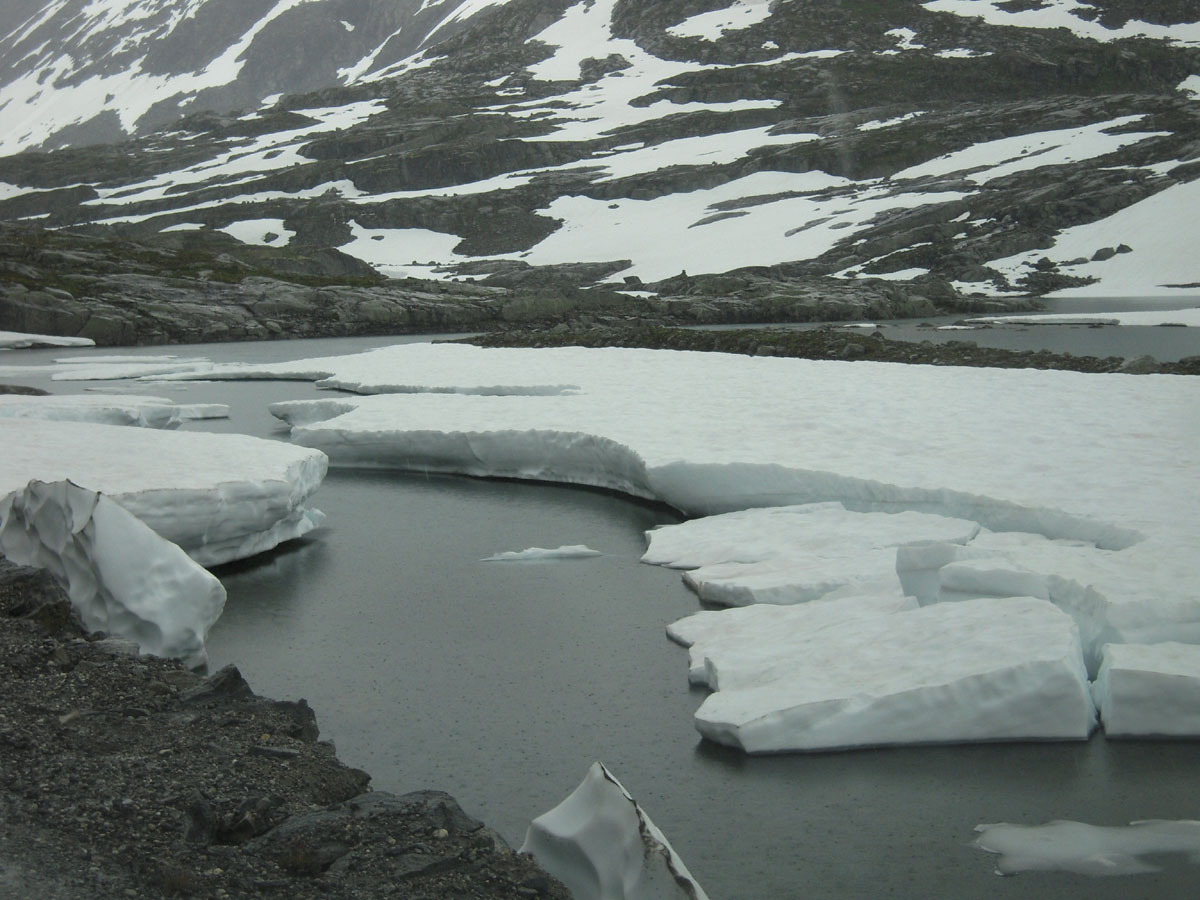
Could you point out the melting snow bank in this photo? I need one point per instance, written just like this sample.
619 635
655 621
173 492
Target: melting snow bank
1087 849
219 497
538 554
843 674
603 846
143 412
121 577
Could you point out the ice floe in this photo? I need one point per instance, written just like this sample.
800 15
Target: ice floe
792 554
108 409
541 554
121 577
981 670
971 490
18 340
1087 849
719 641
220 497
601 844
1149 690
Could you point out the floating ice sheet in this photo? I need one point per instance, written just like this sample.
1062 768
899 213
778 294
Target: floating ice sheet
791 554
719 641
219 496
121 577
107 409
981 670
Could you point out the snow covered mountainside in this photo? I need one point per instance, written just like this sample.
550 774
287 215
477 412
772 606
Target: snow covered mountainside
920 151
79 71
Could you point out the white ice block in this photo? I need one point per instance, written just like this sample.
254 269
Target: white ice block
1149 690
121 577
757 635
107 409
980 670
792 554
17 340
220 497
603 846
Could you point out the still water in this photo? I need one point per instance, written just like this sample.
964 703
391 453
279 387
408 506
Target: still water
502 682
1164 343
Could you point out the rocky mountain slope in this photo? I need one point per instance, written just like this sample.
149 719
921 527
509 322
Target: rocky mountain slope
74 72
704 149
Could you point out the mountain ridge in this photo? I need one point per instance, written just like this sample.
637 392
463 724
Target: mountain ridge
709 147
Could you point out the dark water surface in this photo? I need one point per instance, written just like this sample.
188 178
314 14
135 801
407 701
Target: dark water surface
502 682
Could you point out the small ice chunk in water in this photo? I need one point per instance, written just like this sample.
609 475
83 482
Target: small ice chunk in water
603 846
1087 849
541 554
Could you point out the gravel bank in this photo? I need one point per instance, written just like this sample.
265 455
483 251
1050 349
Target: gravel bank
133 777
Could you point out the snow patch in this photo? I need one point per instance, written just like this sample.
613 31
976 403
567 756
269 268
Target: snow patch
1161 232
265 232
989 160
711 26
1058 14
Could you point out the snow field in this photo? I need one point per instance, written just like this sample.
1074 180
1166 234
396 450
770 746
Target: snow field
1159 232
71 101
964 488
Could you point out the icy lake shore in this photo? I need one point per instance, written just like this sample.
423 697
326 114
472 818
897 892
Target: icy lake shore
160 389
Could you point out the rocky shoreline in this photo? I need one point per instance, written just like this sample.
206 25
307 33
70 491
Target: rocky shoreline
196 287
126 776
830 343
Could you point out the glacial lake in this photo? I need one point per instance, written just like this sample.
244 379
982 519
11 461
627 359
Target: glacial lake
502 682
